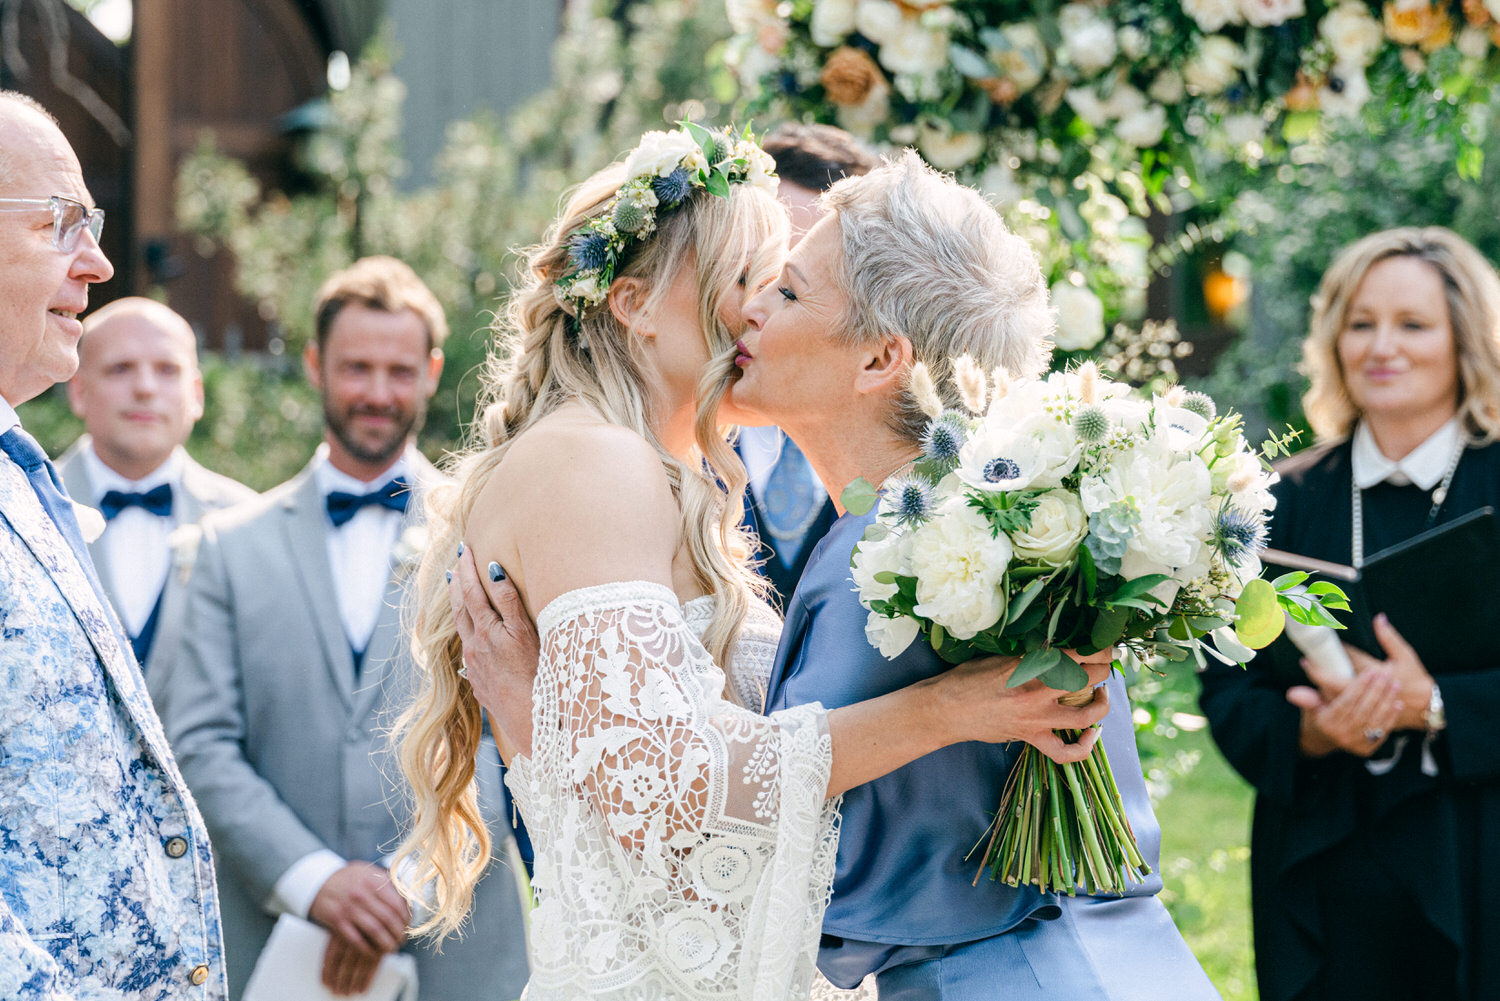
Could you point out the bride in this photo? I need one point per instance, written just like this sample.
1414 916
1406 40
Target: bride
684 843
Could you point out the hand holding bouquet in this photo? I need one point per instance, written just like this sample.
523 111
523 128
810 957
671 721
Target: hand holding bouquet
1068 513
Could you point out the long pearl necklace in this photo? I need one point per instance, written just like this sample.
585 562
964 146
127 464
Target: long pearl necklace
1357 505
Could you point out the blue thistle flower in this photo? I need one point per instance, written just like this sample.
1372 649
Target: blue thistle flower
1091 423
673 188
588 251
1001 469
628 216
911 500
943 438
1238 534
1201 405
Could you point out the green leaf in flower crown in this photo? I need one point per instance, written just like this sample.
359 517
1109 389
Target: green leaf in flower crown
859 496
717 184
1260 619
1034 665
704 139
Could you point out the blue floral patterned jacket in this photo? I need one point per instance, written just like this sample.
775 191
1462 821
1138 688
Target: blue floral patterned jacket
106 881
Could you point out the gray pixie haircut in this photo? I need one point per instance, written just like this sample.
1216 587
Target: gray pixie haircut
10 100
930 259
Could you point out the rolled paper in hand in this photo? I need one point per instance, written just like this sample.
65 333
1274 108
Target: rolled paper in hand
1321 646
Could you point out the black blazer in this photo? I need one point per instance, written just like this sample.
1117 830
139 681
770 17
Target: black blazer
1438 833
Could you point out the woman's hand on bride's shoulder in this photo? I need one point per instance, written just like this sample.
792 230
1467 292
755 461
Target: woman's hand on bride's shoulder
500 647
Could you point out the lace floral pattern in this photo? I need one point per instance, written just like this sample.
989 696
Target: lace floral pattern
684 846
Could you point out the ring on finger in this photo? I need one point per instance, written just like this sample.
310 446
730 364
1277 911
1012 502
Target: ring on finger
1374 734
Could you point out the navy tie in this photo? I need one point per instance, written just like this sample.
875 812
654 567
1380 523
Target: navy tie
26 453
157 500
395 495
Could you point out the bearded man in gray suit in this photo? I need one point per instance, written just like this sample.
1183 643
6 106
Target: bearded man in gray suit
139 393
293 660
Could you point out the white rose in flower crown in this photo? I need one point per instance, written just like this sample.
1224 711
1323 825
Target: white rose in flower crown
948 150
1058 525
1352 33
1080 317
1269 13
1345 92
880 21
959 564
1021 56
891 636
761 172
1213 15
1214 66
588 289
1033 453
916 50
832 21
660 153
1088 39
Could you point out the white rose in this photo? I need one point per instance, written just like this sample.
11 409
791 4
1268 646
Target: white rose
1034 452
960 563
890 554
947 150
588 289
880 21
1345 91
1269 13
1020 55
1080 317
1168 87
1214 66
832 21
1142 128
891 636
1352 33
1213 15
1088 39
916 50
1058 524
659 153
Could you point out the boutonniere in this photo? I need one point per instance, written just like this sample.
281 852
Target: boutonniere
90 522
410 548
184 542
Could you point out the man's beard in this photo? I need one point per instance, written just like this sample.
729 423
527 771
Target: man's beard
373 453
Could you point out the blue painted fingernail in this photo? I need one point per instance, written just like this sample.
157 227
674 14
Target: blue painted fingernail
460 549
450 576
496 574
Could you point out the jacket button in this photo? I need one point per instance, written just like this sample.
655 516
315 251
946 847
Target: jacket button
177 847
199 974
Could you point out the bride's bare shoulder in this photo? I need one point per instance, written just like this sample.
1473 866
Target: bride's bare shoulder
571 449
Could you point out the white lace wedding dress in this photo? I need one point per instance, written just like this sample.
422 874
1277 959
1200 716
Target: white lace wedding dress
684 848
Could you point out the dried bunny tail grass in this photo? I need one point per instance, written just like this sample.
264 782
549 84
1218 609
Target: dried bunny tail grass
1088 382
1000 377
969 379
925 391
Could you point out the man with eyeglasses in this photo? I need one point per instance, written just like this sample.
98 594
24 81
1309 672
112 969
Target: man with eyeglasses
106 881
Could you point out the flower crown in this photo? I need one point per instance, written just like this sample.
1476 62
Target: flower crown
660 173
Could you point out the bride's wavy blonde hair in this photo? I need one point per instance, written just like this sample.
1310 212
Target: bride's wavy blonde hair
550 357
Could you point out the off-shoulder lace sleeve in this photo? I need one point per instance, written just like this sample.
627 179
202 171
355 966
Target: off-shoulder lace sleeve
684 845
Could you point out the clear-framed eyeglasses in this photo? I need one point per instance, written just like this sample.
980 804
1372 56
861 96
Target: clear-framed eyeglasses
69 218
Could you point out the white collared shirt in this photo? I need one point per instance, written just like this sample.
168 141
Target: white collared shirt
137 548
8 416
1423 465
359 551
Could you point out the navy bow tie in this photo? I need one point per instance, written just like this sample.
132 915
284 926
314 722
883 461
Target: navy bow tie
157 500
395 495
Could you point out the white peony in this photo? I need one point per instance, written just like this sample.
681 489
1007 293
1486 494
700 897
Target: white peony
1171 492
880 21
960 563
1214 66
916 50
1345 91
1058 525
832 21
947 150
891 636
1213 15
1269 13
1352 33
660 153
588 289
1033 452
1088 39
1080 317
1021 56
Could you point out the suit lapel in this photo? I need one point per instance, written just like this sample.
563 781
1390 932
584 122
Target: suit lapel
306 528
80 488
188 507
20 507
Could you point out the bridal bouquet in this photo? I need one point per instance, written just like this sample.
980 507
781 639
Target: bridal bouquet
1069 513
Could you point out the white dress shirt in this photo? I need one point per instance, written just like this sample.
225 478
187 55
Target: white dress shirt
8 416
137 550
1423 465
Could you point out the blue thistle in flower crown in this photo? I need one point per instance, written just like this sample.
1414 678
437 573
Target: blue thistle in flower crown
673 188
1238 534
944 437
910 499
588 251
1201 405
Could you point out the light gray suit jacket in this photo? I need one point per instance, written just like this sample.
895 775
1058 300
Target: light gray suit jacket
286 750
203 490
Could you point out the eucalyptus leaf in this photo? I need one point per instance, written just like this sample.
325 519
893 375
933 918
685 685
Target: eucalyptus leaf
859 496
1067 676
1260 620
1024 599
1109 627
1139 586
1034 665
